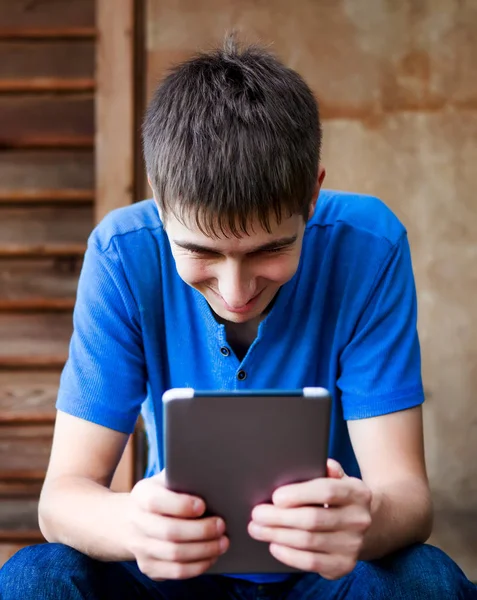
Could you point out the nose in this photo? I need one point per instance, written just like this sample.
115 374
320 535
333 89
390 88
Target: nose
236 285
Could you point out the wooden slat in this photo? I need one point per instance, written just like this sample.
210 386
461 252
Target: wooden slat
21 60
46 13
42 226
114 104
18 515
36 142
24 451
27 396
29 536
44 84
45 171
23 489
43 361
45 250
23 280
46 196
30 121
19 520
34 339
48 33
37 304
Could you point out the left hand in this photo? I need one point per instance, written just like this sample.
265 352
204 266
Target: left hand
316 526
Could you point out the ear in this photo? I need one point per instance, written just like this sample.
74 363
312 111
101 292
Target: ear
150 184
161 216
316 190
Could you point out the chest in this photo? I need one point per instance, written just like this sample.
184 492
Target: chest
240 337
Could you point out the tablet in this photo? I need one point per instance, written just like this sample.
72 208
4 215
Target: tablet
233 449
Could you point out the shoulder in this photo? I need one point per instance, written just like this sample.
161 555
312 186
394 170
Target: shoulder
132 224
364 215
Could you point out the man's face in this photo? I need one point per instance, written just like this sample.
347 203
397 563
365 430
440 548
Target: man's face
238 277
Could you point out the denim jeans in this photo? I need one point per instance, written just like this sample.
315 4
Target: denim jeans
54 571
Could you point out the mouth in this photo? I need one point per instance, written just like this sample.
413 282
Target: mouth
240 309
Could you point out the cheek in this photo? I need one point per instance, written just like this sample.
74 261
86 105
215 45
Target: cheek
191 271
279 271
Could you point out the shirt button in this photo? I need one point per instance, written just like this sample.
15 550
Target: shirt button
241 375
225 351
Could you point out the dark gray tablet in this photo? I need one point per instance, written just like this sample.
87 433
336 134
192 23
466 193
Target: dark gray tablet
233 449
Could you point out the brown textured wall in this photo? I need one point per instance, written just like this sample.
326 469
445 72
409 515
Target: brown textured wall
397 84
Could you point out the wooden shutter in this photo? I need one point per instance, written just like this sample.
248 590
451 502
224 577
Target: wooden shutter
67 144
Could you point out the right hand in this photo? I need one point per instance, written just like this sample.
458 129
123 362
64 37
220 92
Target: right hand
170 538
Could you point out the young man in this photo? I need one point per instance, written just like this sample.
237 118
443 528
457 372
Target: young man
240 274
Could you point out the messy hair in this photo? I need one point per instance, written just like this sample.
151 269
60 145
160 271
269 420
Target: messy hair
230 136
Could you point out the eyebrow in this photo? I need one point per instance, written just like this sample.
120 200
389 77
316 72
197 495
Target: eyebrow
280 243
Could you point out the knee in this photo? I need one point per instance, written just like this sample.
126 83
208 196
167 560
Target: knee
420 571
34 569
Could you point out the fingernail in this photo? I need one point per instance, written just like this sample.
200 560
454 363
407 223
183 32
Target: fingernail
255 529
197 506
223 544
220 526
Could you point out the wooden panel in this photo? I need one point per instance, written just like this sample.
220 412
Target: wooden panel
47 13
115 104
34 339
24 451
28 396
49 170
66 59
46 120
26 280
41 225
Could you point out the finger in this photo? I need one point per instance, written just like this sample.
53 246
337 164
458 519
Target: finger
293 538
181 530
187 552
329 566
334 469
316 492
353 518
307 518
160 570
153 496
328 542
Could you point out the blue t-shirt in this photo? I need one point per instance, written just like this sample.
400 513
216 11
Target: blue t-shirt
346 321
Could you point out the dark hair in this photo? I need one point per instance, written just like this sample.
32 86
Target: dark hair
231 135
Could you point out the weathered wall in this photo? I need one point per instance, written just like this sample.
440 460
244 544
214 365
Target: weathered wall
397 84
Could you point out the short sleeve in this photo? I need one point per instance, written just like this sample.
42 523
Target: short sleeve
380 368
104 379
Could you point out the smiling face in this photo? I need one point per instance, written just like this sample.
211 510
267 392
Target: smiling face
238 276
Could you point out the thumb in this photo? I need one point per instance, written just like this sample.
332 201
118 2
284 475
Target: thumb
334 469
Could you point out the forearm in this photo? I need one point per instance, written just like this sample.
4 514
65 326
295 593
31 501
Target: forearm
86 516
401 515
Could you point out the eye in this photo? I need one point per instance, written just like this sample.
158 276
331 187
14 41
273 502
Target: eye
202 253
269 251
276 250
